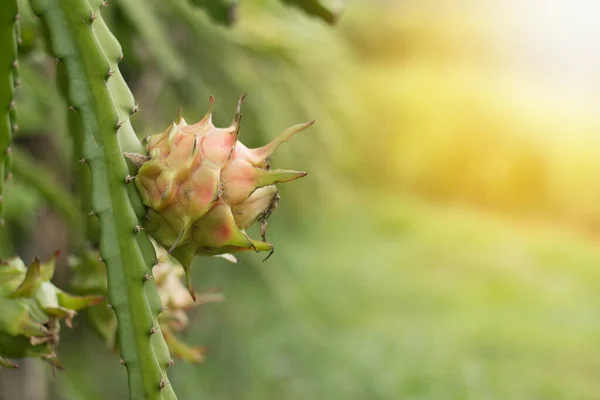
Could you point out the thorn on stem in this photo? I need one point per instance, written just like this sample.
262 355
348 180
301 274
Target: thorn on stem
91 213
15 64
137 229
119 124
153 330
93 17
82 161
163 383
135 109
128 179
104 4
122 361
147 277
12 105
171 362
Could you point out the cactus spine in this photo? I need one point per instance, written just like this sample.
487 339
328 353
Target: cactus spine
82 42
9 37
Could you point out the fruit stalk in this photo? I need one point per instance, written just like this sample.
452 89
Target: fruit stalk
82 42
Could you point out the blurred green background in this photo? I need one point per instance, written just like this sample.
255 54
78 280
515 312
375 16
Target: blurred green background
444 244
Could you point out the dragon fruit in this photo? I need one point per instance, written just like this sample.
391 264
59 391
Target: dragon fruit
203 188
32 308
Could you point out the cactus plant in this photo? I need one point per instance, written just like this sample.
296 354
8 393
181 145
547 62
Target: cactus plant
114 212
81 41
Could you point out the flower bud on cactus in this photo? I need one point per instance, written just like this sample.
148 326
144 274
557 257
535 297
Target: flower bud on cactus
31 310
203 188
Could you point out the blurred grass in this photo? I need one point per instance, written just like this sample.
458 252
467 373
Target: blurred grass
402 300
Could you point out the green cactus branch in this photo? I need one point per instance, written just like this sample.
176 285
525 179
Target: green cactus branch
96 91
83 178
8 67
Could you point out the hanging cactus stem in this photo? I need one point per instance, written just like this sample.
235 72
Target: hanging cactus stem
87 49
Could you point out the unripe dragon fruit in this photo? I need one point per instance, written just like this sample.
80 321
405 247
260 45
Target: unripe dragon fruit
32 308
203 188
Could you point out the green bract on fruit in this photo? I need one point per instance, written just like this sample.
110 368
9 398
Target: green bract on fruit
203 188
31 310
